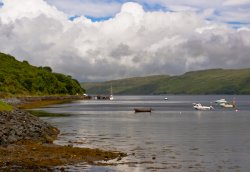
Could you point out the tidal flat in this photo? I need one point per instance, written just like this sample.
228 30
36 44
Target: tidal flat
27 144
37 156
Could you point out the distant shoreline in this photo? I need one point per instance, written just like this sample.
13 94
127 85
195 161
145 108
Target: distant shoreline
29 102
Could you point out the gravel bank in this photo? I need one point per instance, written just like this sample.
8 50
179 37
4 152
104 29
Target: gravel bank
19 125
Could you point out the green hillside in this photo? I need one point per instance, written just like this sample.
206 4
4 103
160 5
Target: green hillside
214 81
20 78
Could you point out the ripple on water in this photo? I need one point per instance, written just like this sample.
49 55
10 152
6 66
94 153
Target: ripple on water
163 140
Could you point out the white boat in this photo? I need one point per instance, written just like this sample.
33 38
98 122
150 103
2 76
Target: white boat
111 94
165 98
198 106
111 97
220 101
228 105
225 104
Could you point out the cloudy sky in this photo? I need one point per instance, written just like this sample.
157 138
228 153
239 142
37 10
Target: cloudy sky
97 40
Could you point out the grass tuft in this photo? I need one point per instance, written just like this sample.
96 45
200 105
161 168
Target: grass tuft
5 107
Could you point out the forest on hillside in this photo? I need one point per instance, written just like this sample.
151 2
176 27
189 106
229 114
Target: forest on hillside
21 78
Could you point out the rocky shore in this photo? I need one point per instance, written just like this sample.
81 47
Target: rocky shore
26 143
18 125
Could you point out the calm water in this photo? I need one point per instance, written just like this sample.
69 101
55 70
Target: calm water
173 137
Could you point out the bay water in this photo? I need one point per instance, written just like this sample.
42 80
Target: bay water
173 137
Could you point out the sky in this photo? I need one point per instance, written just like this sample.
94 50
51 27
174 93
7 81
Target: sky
99 40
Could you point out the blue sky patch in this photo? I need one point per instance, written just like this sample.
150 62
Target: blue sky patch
236 24
93 19
154 7
98 19
72 18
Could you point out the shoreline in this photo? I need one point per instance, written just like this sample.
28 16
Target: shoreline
27 141
29 102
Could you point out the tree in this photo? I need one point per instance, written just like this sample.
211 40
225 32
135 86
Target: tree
47 68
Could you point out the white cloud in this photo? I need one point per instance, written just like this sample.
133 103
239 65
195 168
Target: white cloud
236 2
16 9
132 43
94 8
217 10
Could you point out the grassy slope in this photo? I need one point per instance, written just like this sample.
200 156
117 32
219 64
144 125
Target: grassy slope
137 85
214 81
21 78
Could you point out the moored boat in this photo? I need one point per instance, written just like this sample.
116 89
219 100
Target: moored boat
198 106
142 110
228 105
111 94
111 97
225 104
220 101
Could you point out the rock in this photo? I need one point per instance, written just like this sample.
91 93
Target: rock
12 139
19 125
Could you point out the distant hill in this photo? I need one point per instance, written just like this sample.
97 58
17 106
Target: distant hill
21 78
213 81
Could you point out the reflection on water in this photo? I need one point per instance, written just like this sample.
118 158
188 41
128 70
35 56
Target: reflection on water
173 137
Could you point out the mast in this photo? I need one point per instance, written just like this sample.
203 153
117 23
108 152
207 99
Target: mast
111 93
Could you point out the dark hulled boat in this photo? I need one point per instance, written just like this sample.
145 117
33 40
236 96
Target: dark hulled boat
143 110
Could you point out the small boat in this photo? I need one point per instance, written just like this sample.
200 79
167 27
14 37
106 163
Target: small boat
220 101
142 110
198 106
228 105
111 94
111 97
165 98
